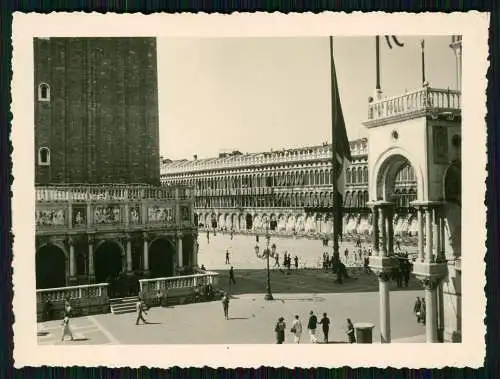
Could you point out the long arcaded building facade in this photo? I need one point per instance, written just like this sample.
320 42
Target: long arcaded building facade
288 190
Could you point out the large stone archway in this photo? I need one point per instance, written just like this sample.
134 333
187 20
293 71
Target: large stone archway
161 258
108 261
385 170
50 266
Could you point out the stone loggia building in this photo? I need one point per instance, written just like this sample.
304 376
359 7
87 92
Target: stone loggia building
100 211
286 191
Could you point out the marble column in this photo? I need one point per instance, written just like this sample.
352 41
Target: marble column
383 218
145 253
431 309
420 218
91 241
70 216
179 250
376 230
428 235
129 254
72 262
440 311
390 230
384 308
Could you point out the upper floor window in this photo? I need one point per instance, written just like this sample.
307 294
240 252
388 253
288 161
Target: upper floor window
43 92
44 156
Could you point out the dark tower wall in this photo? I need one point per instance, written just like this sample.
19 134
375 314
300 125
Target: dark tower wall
101 121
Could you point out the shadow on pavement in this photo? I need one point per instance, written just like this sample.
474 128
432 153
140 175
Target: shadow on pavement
238 318
80 339
304 281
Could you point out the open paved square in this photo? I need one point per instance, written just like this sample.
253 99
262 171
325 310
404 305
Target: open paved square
212 253
251 321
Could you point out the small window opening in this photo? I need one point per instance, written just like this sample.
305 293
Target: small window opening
44 156
44 92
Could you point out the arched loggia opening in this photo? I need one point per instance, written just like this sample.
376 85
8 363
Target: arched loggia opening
108 261
393 175
249 221
161 258
50 267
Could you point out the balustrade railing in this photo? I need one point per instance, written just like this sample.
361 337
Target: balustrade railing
72 293
112 192
151 286
422 99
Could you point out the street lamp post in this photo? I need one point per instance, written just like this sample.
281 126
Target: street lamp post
267 252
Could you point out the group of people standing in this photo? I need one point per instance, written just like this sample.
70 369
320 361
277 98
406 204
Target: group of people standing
287 261
312 324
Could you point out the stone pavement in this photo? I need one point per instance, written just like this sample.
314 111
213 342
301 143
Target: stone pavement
242 251
252 320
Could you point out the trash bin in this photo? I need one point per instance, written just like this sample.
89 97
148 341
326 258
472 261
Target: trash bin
364 332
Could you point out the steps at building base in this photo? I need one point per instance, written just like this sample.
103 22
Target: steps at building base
123 305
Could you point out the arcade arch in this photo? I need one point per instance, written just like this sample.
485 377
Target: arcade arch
108 261
50 263
161 258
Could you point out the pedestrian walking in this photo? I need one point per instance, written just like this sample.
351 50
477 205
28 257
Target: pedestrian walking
422 311
208 236
66 330
279 329
225 305
417 309
311 326
296 329
350 331
325 324
277 260
231 276
227 257
140 309
296 261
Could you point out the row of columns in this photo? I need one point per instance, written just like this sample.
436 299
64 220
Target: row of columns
428 268
146 239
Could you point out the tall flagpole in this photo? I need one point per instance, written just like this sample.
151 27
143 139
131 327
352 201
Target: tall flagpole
335 168
422 45
377 59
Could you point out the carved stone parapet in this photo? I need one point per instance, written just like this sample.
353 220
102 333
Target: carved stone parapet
430 273
382 266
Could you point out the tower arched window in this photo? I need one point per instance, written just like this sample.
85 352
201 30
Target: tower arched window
44 156
43 92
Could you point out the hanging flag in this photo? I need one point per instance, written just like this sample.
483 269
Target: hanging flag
341 151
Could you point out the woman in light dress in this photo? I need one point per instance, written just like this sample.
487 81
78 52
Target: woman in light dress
296 329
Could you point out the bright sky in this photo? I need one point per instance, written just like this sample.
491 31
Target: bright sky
257 94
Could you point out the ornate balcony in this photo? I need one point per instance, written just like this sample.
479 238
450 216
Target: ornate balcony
425 101
90 209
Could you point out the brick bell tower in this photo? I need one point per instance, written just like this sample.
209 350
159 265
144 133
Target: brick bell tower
96 111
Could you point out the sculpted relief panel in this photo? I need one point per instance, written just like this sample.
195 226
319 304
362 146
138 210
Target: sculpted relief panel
107 214
135 214
79 215
50 217
160 214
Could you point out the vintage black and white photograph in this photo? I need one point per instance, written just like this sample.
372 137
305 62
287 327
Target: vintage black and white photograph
248 190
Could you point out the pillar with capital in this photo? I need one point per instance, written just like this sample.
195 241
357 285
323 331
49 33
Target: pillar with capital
91 242
145 252
72 261
128 252
430 269
180 260
382 262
